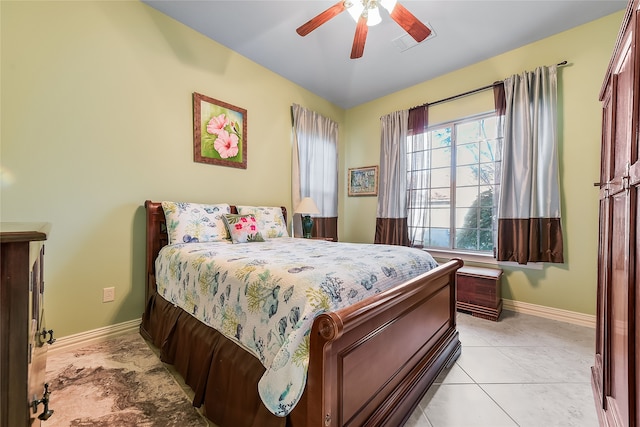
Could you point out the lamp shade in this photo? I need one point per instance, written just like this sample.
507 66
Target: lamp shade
307 206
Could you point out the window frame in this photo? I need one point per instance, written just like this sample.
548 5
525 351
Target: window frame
451 250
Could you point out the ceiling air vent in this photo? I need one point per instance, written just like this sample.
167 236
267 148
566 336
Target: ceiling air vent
406 42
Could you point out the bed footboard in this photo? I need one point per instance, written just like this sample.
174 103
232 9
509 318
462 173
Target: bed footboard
372 362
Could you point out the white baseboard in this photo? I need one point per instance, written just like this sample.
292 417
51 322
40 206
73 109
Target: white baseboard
82 339
550 313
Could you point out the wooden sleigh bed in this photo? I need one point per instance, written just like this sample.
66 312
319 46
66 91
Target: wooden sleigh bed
370 363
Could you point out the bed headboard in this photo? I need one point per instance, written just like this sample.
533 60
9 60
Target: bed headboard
157 238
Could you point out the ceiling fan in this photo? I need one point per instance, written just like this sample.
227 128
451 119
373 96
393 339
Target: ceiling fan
367 14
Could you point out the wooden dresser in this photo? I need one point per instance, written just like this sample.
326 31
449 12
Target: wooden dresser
616 371
23 335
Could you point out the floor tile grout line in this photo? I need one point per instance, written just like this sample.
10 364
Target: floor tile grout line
498 405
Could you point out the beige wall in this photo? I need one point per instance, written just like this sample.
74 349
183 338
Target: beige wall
570 286
96 117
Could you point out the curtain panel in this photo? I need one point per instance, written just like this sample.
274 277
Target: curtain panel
529 222
315 169
391 218
416 213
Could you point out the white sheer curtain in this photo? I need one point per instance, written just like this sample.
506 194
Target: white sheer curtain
529 226
391 221
315 167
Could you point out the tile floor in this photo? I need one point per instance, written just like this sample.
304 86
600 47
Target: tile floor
522 371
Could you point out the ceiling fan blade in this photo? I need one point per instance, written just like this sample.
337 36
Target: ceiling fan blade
320 19
410 23
361 36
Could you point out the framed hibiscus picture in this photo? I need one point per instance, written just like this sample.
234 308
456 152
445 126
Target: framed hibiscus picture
219 132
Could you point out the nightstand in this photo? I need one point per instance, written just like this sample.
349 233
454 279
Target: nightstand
479 292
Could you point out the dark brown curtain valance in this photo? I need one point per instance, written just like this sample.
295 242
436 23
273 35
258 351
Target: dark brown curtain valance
418 119
499 98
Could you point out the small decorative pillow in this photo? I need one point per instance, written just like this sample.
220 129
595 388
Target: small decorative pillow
270 220
193 222
243 228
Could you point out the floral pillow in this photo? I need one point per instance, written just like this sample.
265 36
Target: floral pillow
270 220
243 228
193 222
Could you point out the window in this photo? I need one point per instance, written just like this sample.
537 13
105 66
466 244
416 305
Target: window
453 185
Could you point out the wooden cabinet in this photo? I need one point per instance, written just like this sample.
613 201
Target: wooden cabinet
23 335
616 371
479 291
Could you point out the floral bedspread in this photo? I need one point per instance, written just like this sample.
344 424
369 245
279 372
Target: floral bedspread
266 295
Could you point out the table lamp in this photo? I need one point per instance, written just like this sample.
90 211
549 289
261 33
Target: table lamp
307 206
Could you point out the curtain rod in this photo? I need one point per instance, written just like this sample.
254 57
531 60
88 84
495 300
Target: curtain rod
471 92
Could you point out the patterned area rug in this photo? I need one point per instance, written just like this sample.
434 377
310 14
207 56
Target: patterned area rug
119 382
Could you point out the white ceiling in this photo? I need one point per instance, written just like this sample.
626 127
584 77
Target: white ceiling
465 32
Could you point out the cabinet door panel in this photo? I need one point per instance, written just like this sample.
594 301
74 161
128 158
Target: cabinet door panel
618 310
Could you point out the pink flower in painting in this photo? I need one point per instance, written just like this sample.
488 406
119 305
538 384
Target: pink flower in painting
217 124
226 145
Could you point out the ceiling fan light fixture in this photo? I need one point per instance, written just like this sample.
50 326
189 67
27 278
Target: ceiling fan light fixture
355 9
367 13
388 4
374 16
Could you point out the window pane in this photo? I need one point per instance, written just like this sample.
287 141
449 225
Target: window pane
486 173
438 237
441 138
467 217
440 217
486 219
486 240
490 151
468 132
467 238
468 154
440 196
466 196
489 128
467 175
440 157
486 196
441 177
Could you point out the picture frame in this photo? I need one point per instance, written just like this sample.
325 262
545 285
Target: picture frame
219 132
363 181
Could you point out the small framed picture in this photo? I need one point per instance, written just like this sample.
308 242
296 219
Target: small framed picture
219 132
363 181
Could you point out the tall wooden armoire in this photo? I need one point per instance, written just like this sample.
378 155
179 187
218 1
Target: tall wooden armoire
616 371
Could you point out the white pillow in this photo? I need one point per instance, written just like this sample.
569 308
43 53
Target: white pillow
270 220
193 222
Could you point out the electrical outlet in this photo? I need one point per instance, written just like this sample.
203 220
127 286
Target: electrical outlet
108 294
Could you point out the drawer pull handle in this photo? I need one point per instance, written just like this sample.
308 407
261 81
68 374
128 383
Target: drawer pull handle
44 334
